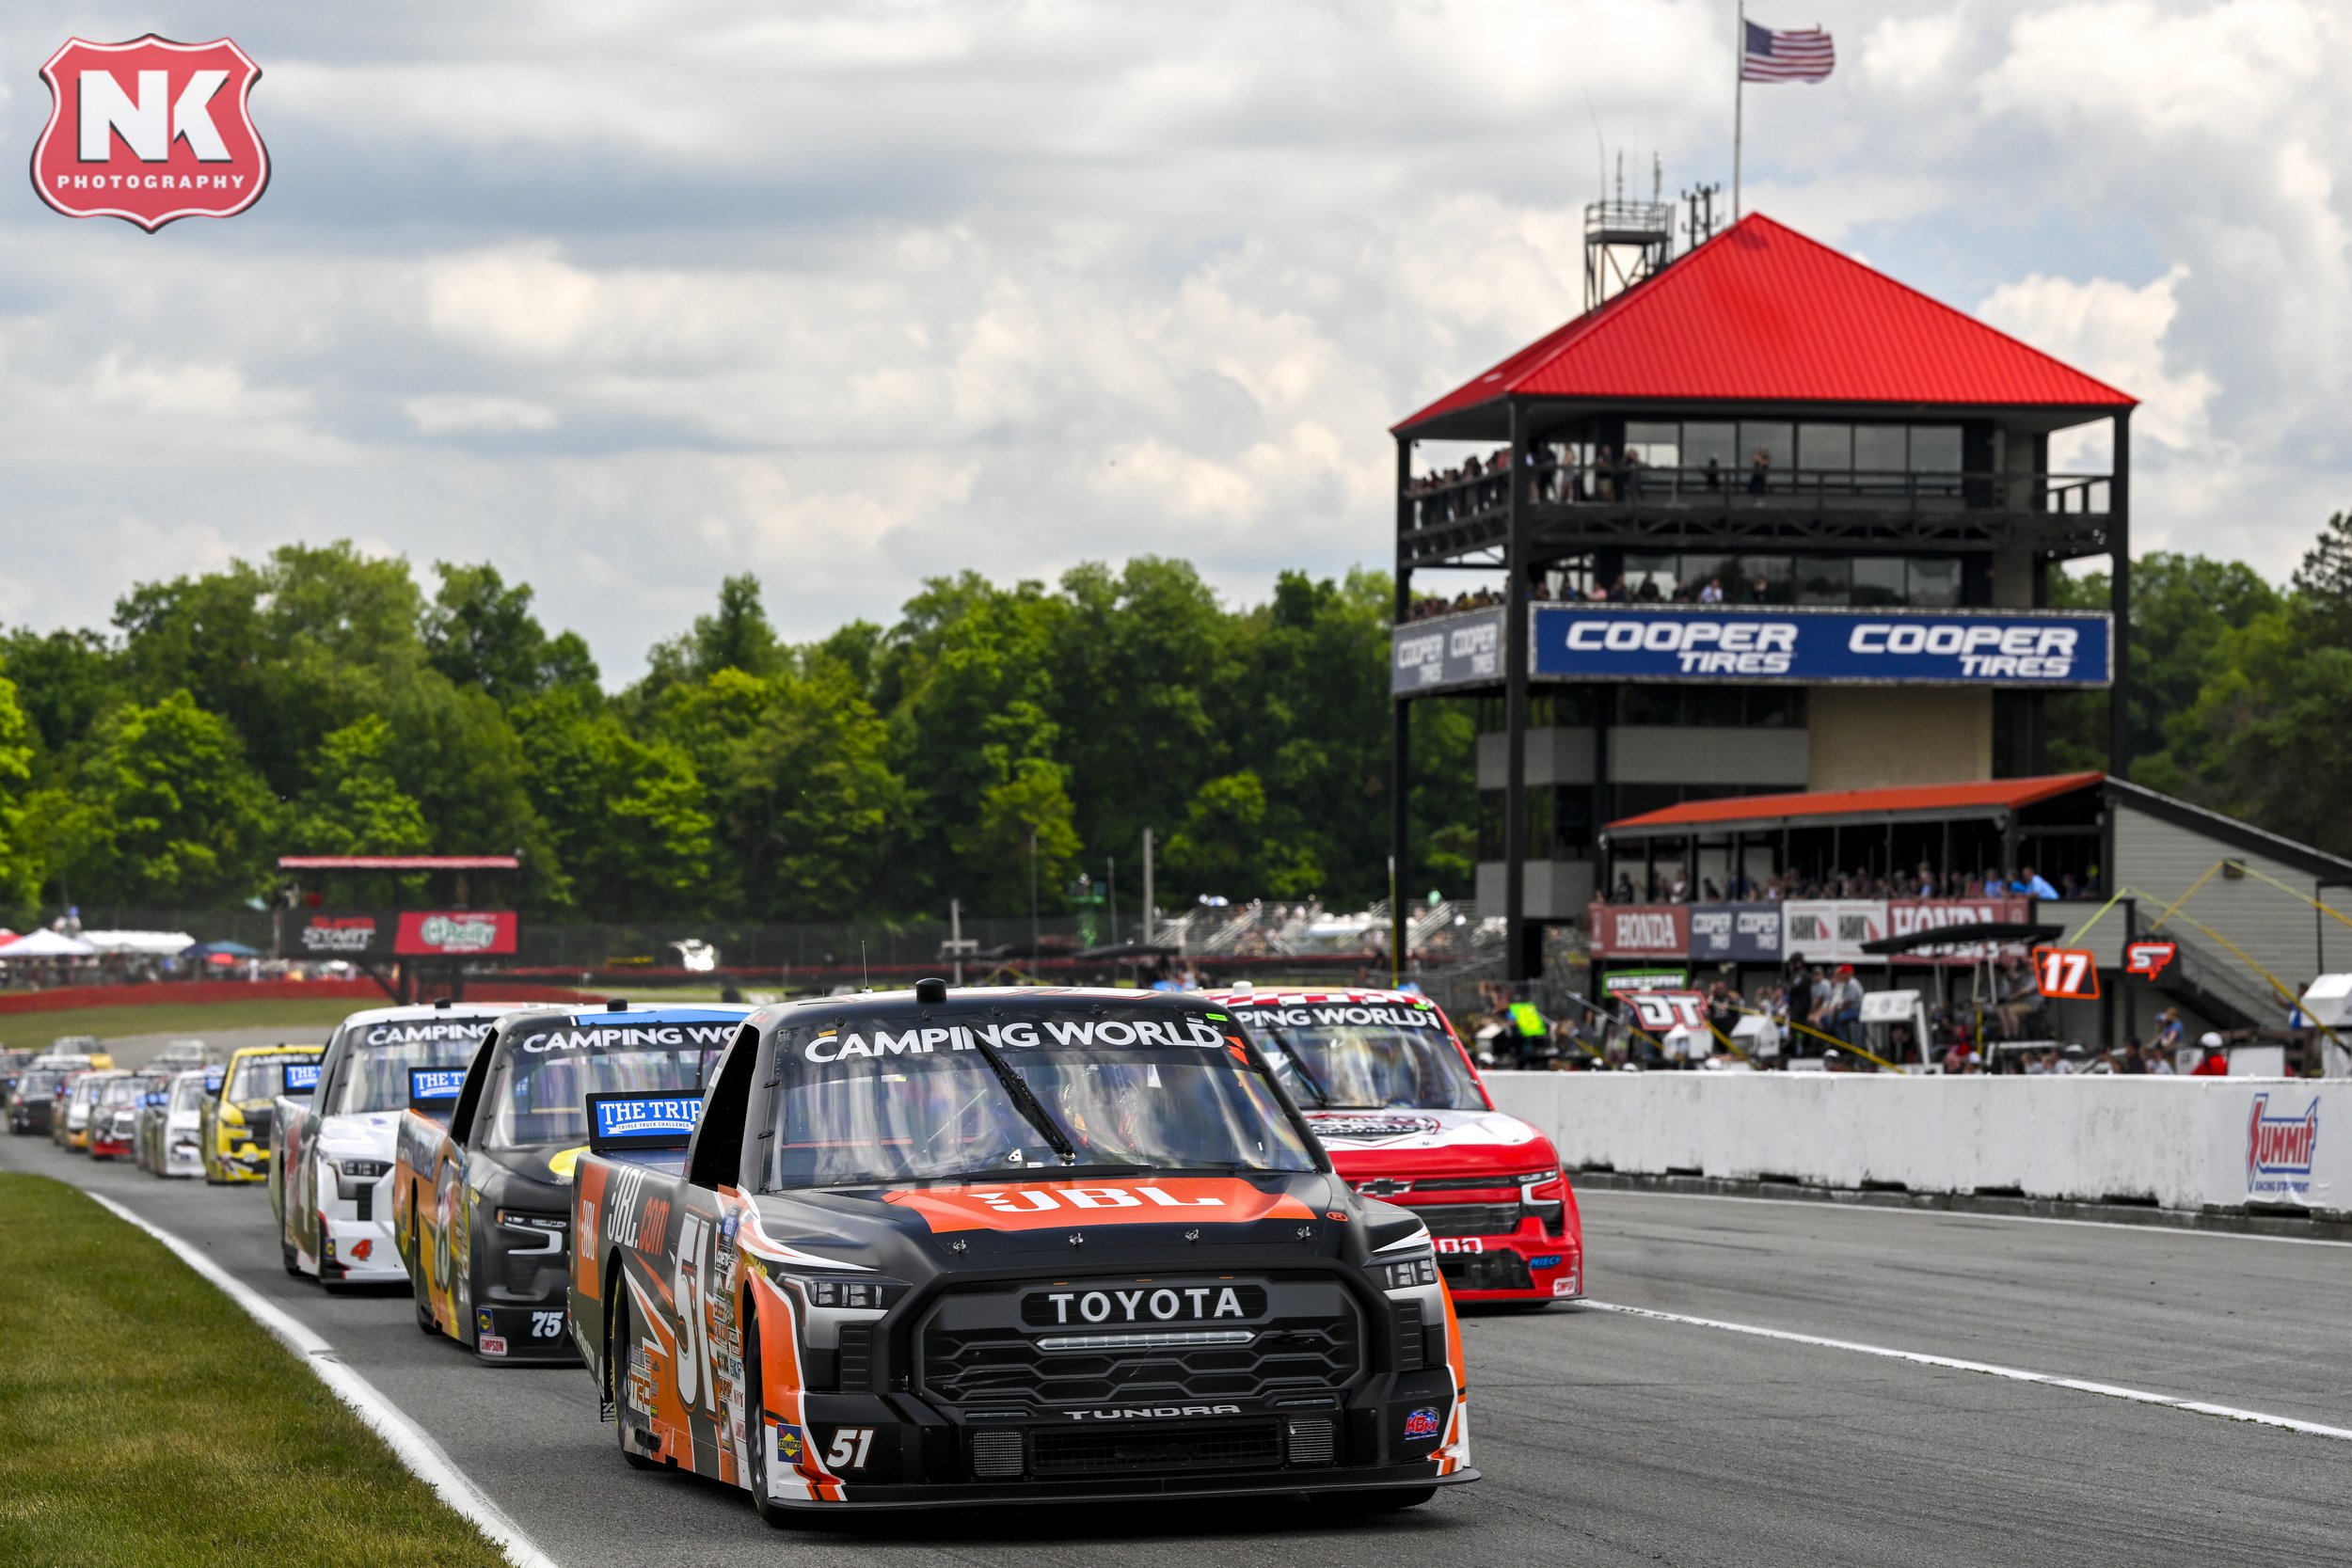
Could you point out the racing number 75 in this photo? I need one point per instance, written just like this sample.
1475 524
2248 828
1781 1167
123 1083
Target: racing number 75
2070 973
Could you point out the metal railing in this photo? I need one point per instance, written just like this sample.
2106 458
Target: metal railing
1571 485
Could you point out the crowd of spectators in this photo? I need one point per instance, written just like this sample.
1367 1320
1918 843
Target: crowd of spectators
1566 476
1672 884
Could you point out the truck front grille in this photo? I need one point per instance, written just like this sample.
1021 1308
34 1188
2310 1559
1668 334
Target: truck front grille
1227 1445
974 1349
1469 1219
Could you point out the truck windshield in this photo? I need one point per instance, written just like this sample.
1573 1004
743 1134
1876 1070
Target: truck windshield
549 1068
373 1075
1364 1057
187 1092
263 1077
877 1100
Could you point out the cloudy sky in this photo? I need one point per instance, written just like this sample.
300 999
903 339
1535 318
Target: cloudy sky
623 296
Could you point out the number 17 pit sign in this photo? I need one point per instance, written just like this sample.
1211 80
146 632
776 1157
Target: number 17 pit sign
150 132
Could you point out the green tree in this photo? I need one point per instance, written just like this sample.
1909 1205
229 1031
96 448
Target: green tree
176 814
807 801
627 818
1224 847
480 632
64 681
20 863
355 804
2186 610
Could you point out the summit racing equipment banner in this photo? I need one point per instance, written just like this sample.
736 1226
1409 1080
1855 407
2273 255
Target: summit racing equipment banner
2049 649
1446 651
397 934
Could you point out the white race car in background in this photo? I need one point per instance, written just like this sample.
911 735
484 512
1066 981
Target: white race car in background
332 1150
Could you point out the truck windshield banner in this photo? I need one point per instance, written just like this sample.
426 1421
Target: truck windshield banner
1818 646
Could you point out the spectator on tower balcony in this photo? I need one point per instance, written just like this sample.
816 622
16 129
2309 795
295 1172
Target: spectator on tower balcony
1713 592
1647 593
1619 592
1759 473
2033 884
1760 590
1995 883
1715 476
1604 474
1630 475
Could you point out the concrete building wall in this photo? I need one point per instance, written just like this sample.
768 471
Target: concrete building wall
1555 755
1869 737
1709 756
2161 859
1556 890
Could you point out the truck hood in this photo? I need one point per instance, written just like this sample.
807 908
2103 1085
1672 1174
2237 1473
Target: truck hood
1384 1143
1077 1222
359 1135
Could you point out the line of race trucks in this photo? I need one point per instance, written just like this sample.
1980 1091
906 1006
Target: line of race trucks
917 1248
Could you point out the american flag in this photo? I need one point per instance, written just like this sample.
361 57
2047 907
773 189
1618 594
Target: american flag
1771 55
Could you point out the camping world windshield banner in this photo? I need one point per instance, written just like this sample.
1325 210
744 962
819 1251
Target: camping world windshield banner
1819 647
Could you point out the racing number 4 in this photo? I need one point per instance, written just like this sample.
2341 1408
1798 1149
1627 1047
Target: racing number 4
848 1451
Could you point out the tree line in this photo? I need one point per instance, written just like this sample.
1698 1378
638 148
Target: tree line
322 701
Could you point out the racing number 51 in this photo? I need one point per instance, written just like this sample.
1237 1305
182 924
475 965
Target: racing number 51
847 1449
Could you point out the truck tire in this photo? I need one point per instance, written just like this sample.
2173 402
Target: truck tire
616 1358
774 1514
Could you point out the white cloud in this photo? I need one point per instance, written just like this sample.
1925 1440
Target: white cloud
462 413
853 294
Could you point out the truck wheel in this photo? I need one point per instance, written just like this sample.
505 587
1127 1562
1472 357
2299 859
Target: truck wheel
416 1283
774 1514
616 1361
286 1256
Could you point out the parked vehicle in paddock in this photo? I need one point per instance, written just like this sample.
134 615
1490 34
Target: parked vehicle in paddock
934 1248
233 1130
70 1126
1390 1088
114 1127
481 1204
171 1123
32 1099
331 1151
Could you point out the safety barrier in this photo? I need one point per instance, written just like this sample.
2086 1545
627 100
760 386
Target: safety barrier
2179 1143
359 993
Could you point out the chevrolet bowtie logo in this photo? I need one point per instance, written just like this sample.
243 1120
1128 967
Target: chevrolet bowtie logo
1386 1186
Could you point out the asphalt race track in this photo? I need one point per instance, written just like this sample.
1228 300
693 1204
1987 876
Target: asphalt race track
1605 1438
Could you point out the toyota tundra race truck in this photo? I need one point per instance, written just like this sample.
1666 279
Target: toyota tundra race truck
1386 1085
481 1201
929 1249
331 1169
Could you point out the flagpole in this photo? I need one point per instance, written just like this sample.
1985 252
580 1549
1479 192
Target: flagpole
1739 103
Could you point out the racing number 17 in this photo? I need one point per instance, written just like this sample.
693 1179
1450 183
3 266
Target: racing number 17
2066 971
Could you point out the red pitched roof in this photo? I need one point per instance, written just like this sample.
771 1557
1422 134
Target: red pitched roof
1761 314
1980 799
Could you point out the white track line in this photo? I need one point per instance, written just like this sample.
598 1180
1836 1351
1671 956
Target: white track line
1587 1194
2013 1375
424 1457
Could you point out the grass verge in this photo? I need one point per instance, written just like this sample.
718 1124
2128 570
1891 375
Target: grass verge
145 1418
301 1019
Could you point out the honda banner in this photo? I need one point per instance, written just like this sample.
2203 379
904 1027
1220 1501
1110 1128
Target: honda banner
1641 930
1906 917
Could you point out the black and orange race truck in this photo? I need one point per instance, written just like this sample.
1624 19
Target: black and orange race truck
481 1185
929 1249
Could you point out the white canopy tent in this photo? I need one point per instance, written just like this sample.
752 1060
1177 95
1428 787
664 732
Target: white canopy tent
145 944
47 944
